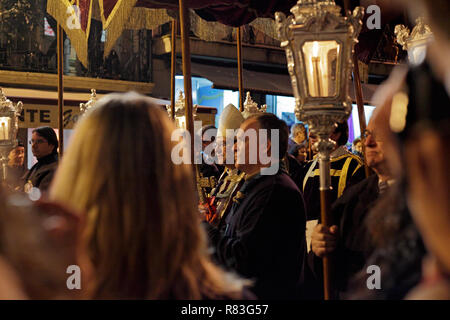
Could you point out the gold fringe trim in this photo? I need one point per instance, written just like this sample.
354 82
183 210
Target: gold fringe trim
266 26
209 31
78 38
144 18
115 24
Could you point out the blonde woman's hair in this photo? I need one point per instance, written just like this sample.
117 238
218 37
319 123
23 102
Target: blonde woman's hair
142 233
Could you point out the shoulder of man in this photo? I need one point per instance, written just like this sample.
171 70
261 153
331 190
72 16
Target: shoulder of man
355 190
348 155
267 185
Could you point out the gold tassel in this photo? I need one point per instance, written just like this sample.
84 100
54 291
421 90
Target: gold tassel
115 24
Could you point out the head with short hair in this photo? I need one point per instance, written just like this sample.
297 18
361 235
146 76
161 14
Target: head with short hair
340 134
270 122
141 242
298 132
44 142
266 123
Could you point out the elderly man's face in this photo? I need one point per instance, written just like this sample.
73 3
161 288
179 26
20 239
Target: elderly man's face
17 156
374 147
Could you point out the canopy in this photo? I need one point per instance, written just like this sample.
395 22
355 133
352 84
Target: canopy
116 15
233 13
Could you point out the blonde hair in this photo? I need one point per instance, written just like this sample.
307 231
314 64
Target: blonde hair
142 232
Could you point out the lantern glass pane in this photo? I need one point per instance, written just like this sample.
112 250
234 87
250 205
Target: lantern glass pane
322 67
417 54
5 125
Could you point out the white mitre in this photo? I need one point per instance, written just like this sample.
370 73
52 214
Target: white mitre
230 118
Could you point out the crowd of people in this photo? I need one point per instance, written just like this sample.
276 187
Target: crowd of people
140 226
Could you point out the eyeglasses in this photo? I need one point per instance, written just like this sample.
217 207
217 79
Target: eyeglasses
38 141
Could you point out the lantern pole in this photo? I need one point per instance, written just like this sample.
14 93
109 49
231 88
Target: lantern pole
60 34
315 22
359 97
325 147
173 67
240 66
186 53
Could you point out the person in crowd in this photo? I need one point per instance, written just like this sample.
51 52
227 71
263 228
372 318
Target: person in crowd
294 168
44 145
37 245
298 136
346 169
300 153
209 172
141 238
427 153
16 167
357 148
346 240
420 156
398 248
231 179
263 237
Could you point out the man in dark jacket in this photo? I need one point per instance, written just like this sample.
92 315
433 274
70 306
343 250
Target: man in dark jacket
347 238
44 145
263 237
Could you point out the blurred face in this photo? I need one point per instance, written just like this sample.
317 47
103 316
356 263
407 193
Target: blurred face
335 136
428 175
374 147
16 156
300 137
301 155
40 146
358 147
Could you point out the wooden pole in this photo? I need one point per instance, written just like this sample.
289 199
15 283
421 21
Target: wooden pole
60 54
240 66
325 210
358 94
360 103
173 68
186 53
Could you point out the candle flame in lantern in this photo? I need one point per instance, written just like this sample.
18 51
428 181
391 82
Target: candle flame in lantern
315 49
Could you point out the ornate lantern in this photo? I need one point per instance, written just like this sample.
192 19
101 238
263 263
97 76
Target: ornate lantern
180 111
319 44
415 42
91 102
9 124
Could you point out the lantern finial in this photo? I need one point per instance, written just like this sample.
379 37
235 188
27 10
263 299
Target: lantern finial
91 102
